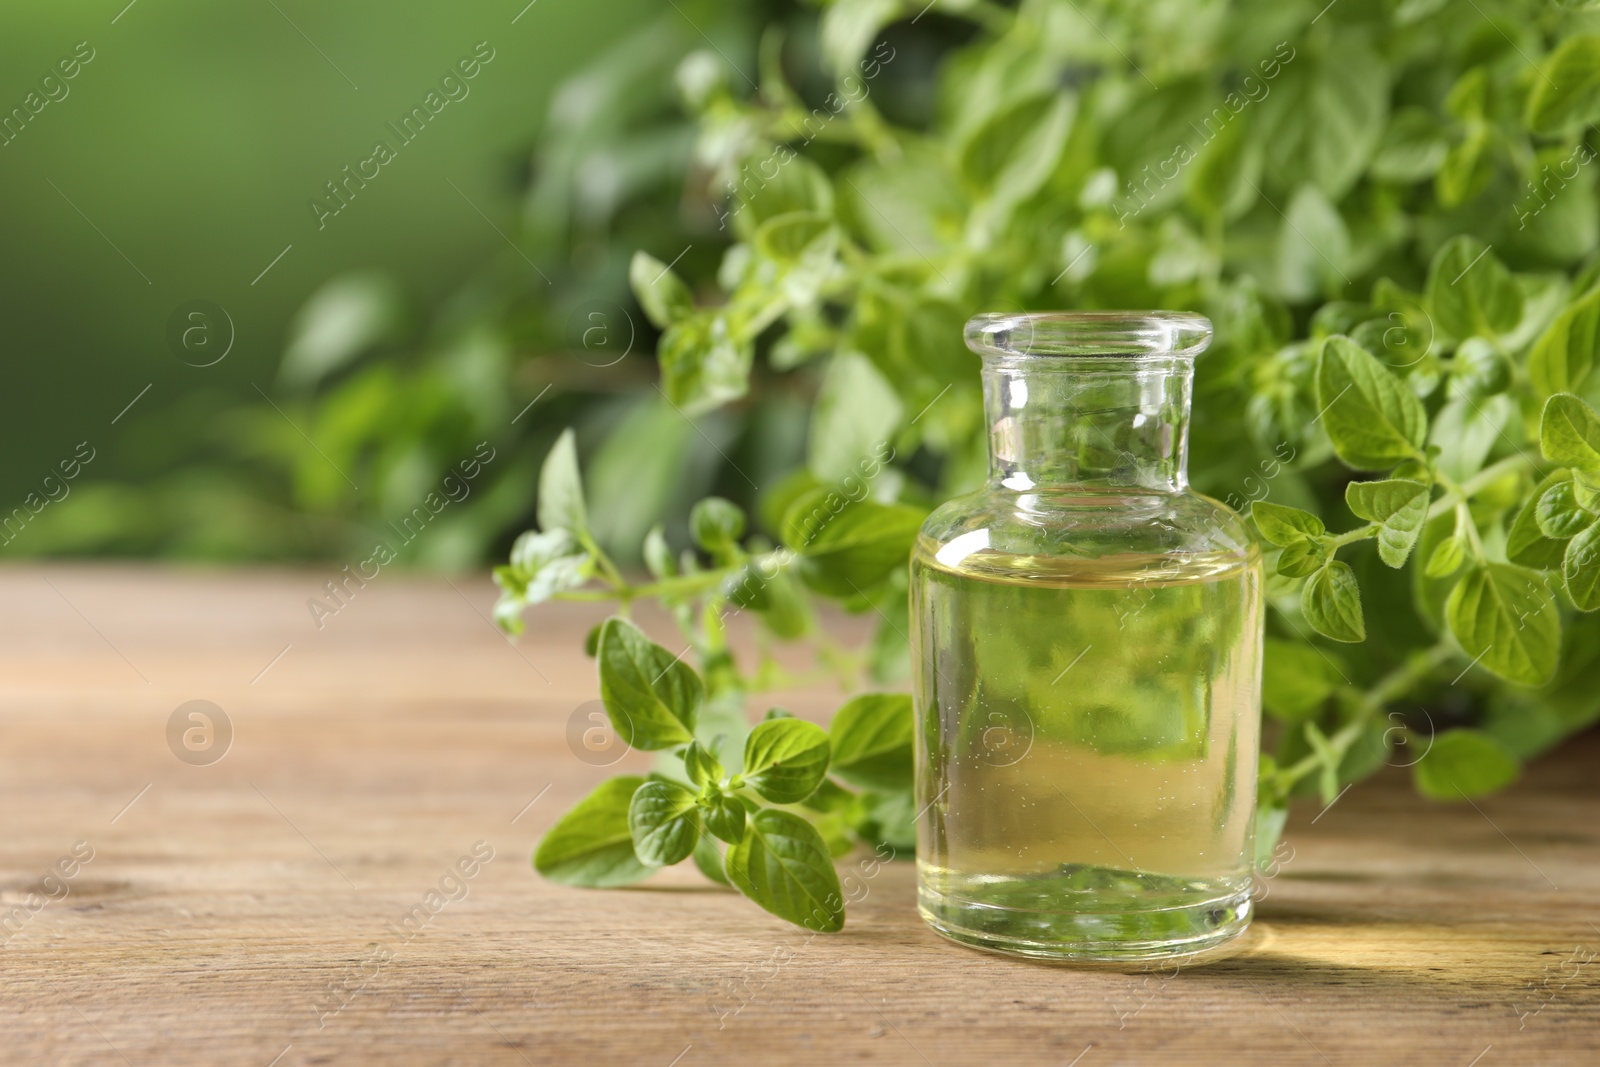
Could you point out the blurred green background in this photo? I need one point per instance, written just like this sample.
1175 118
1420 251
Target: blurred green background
182 161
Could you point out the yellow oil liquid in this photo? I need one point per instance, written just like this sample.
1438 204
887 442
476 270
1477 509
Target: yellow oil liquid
1087 741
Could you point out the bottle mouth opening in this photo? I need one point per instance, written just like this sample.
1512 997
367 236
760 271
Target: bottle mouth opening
1121 335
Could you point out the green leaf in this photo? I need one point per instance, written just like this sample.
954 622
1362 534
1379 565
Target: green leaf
798 185
716 524
701 764
1465 431
1372 418
1013 152
786 759
1313 246
1569 433
1326 115
791 238
1470 292
561 504
348 316
664 823
1505 618
1480 371
1468 99
652 698
725 816
1464 763
846 547
658 554
849 29
1581 568
708 858
1270 820
1567 92
1447 557
1466 169
1295 679
1525 542
1331 603
542 564
592 845
703 365
1557 512
1302 558
1225 180
661 293
856 412
783 865
1563 356
1401 507
1412 147
872 741
1586 493
1283 525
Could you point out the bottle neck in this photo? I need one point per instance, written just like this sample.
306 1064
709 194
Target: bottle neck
1093 422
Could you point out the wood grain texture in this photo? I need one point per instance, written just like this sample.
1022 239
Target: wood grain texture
224 902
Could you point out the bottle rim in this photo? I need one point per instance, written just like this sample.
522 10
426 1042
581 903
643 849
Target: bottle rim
1122 335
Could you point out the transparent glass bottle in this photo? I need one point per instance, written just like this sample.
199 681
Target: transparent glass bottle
1087 637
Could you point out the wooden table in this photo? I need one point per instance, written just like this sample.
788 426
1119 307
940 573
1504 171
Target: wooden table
230 908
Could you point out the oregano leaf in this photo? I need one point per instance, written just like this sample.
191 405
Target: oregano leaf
1580 566
783 865
592 845
1284 525
1561 359
663 822
1567 91
1331 603
1526 543
1464 763
561 505
1400 506
652 698
1447 557
1569 433
872 738
1372 418
660 292
786 759
1557 512
1505 619
1470 292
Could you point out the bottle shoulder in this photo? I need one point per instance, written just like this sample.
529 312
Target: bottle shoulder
1089 524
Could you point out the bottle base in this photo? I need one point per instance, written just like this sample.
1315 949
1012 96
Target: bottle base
1102 936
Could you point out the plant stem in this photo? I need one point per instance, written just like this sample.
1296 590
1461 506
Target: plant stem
1360 533
1455 494
1394 684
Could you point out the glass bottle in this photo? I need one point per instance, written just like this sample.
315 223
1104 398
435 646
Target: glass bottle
1087 637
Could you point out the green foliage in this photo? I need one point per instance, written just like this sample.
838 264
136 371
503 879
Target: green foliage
1383 209
592 845
1464 763
776 856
